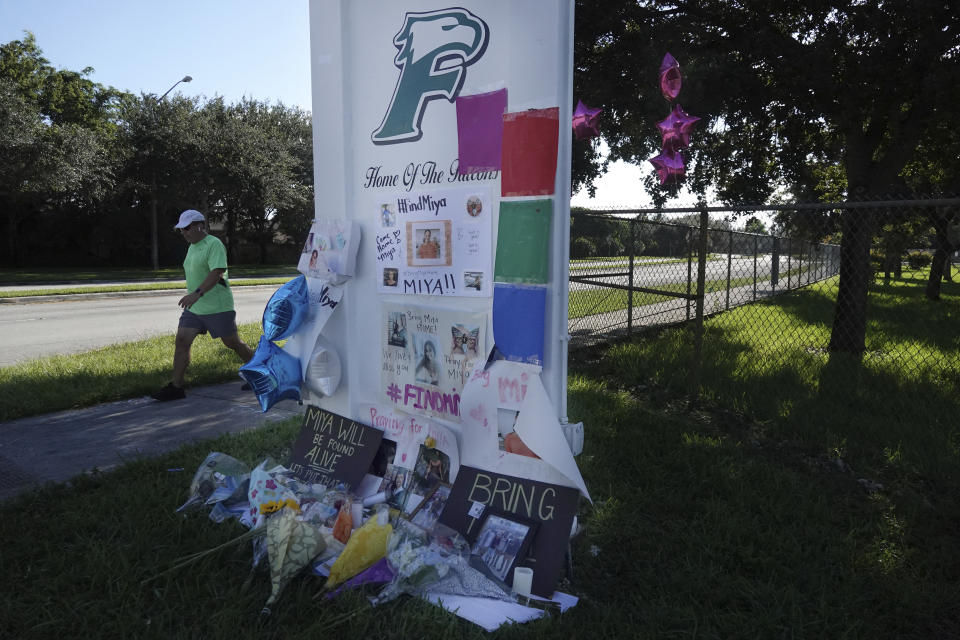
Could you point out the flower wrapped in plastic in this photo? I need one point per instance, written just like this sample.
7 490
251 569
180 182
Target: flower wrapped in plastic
291 546
423 564
218 478
364 547
269 491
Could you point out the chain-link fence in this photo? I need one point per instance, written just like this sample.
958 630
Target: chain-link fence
655 282
868 283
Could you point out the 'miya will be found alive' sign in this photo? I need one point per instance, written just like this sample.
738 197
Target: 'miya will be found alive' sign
332 447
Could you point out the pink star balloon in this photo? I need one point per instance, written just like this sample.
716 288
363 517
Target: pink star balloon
585 121
669 164
670 79
675 129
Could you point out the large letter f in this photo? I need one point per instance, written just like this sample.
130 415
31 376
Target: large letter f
435 48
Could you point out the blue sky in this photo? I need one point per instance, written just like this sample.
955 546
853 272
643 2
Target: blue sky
231 48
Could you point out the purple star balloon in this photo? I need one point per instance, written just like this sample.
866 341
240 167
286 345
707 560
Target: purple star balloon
585 121
670 79
675 129
669 164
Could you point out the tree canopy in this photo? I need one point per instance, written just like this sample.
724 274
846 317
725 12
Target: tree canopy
812 96
837 99
91 167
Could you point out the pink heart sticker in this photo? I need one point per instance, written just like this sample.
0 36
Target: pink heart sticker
403 458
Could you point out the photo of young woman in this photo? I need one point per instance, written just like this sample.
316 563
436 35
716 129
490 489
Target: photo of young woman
428 367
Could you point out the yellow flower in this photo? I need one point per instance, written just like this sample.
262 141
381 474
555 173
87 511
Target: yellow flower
430 443
275 505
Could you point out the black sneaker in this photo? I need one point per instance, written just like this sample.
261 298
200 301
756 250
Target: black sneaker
170 392
245 387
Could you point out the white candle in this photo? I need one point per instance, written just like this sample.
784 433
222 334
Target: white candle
356 511
522 580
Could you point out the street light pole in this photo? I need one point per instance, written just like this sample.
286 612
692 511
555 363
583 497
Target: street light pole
183 79
154 237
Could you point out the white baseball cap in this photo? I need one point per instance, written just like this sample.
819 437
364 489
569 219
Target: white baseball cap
188 217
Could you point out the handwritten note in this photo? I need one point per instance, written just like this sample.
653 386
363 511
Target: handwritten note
521 500
332 447
410 431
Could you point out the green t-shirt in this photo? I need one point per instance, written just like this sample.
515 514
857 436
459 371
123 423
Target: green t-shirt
202 258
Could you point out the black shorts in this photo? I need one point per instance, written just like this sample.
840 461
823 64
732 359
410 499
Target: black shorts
217 324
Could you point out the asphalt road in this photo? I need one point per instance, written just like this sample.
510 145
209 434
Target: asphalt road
35 330
30 331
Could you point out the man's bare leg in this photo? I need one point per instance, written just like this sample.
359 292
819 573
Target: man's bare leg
181 353
238 346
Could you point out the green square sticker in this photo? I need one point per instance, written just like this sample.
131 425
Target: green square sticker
523 242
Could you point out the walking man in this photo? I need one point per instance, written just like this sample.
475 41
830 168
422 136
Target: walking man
208 308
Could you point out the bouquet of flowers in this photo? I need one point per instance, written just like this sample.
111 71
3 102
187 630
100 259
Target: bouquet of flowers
423 564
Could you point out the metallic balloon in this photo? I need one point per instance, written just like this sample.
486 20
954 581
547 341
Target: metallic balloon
286 310
585 121
273 373
669 164
670 79
323 369
676 128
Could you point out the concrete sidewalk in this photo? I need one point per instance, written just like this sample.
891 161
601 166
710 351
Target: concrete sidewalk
59 446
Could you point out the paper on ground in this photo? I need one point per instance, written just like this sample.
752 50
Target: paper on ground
491 614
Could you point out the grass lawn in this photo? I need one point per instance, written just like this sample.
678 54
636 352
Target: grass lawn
80 275
742 518
117 372
156 286
588 302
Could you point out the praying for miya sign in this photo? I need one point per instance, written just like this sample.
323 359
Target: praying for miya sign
331 447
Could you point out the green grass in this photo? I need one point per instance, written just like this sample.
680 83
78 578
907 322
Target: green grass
158 286
695 532
588 302
83 274
112 373
623 261
891 418
733 520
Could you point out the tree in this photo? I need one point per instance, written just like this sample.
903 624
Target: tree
42 163
55 130
166 146
946 241
935 169
814 96
755 225
264 169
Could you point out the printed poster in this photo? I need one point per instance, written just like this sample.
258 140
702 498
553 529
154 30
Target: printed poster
435 243
427 354
330 249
